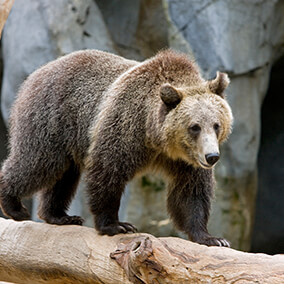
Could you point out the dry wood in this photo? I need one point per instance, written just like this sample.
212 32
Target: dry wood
40 253
5 8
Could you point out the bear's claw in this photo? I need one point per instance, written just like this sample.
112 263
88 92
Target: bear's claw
65 220
212 241
117 228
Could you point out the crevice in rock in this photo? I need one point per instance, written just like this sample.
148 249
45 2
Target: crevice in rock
197 12
268 235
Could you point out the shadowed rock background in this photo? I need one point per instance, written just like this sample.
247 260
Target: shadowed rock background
243 38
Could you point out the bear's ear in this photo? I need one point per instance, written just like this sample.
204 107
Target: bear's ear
219 84
170 96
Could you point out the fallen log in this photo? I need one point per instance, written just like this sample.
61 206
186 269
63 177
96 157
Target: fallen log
33 252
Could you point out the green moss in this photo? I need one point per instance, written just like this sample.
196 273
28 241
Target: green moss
157 185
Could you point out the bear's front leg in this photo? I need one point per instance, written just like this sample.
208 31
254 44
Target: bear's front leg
105 189
106 178
189 198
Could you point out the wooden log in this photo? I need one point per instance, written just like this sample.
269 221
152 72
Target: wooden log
5 8
33 252
173 260
41 253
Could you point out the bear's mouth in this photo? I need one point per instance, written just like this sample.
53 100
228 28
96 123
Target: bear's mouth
205 166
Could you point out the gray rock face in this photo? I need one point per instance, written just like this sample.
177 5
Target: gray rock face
39 31
225 34
139 28
243 38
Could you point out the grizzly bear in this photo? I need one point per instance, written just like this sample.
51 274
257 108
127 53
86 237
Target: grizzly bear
113 118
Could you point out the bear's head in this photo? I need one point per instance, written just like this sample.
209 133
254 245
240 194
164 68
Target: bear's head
197 120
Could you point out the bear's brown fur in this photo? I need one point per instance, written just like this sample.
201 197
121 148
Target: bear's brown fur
115 118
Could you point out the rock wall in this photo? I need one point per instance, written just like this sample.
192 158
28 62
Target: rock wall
242 38
39 31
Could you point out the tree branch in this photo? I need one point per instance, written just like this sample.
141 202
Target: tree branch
41 253
5 7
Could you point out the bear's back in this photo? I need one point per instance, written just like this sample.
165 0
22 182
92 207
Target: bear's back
58 102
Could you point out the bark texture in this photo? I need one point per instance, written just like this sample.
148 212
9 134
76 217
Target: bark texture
40 253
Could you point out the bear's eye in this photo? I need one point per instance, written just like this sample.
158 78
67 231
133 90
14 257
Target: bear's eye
216 127
195 128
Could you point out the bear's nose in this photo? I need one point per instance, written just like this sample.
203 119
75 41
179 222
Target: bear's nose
212 158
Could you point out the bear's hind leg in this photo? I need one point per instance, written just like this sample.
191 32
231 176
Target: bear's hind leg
10 198
12 205
54 202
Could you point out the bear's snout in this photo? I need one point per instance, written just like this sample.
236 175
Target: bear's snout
212 158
